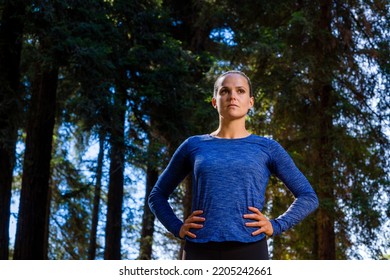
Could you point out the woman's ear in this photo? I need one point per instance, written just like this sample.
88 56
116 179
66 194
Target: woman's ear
214 102
251 102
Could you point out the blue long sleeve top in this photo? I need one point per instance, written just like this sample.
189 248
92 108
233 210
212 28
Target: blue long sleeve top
229 175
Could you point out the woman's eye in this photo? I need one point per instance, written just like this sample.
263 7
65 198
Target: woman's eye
224 91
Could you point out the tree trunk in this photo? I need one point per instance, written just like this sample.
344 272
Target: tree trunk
148 218
11 31
32 220
96 198
323 159
325 227
115 191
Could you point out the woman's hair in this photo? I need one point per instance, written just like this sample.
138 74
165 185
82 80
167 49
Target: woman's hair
216 84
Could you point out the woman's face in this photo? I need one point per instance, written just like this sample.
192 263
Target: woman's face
232 99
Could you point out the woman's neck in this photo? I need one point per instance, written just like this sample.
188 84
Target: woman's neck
231 130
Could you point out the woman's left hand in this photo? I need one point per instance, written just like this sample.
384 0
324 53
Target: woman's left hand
261 222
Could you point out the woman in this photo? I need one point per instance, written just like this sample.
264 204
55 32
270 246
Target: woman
230 169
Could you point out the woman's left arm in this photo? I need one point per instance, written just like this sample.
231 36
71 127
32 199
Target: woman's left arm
306 200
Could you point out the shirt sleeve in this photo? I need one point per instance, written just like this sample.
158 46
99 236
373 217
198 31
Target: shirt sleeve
306 200
176 170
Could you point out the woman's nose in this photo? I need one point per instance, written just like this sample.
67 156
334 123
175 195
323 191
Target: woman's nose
233 95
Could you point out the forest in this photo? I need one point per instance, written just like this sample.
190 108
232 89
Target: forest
96 95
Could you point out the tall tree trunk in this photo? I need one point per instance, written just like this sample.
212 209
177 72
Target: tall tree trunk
11 31
148 218
325 227
323 159
96 198
32 220
115 191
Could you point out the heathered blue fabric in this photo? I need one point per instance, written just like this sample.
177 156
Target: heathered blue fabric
228 176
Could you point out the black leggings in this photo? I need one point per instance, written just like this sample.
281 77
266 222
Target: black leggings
226 250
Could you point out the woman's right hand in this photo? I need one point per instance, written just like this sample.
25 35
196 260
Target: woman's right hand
191 222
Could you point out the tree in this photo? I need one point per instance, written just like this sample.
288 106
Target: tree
11 31
116 183
121 88
31 235
147 231
96 198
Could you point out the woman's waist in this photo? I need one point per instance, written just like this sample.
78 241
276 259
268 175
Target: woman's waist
213 232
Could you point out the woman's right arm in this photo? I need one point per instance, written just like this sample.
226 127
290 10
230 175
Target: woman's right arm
177 169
